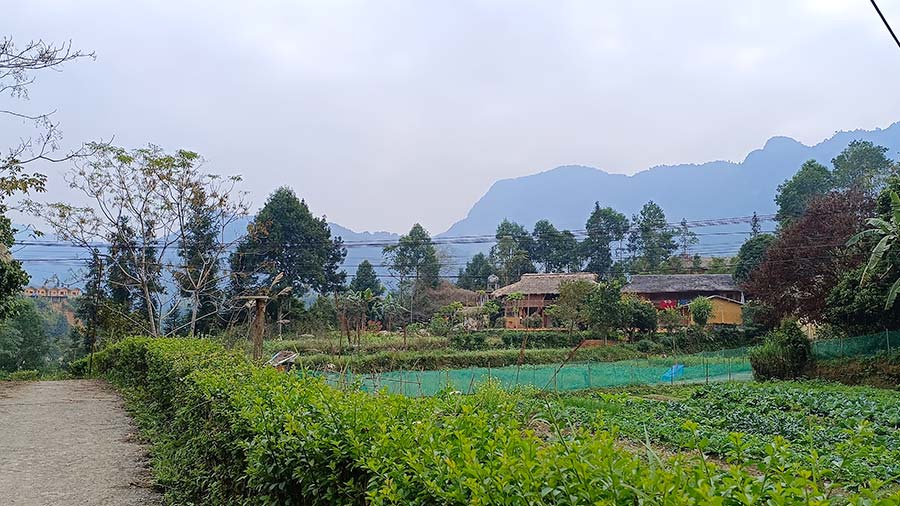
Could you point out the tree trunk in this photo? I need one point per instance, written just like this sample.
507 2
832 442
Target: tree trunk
195 303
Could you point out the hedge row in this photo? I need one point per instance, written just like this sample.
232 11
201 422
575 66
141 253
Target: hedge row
225 432
447 359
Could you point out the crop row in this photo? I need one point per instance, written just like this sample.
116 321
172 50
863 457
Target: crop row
852 434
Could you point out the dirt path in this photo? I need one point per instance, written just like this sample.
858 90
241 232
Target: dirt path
69 443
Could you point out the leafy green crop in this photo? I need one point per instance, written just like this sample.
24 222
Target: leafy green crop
853 434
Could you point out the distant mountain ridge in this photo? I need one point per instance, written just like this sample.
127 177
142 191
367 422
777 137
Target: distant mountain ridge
565 195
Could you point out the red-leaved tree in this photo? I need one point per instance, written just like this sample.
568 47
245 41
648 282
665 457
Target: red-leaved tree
806 260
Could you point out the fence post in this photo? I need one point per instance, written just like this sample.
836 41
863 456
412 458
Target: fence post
706 363
590 379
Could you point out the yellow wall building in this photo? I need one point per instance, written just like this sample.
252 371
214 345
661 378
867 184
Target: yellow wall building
725 311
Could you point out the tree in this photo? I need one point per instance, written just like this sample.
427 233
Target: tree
651 240
285 240
670 319
701 310
475 275
809 256
686 238
512 254
861 166
23 342
639 316
792 196
414 260
12 276
605 310
18 66
141 200
604 226
546 239
859 310
366 279
751 254
571 308
207 211
567 255
755 227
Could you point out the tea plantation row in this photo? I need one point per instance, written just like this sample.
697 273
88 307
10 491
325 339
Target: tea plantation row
227 432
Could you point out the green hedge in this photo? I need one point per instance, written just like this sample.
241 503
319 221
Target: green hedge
446 359
225 432
544 338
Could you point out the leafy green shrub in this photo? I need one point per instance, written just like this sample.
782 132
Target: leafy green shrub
785 354
543 338
469 341
649 346
25 375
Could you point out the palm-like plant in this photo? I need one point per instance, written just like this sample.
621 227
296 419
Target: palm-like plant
888 232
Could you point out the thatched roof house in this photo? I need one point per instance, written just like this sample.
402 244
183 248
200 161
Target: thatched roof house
672 290
533 284
538 291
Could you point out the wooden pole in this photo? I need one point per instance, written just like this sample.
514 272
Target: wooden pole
258 329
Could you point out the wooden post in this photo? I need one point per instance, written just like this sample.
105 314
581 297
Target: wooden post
258 329
258 326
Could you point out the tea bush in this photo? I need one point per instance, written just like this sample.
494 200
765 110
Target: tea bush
225 432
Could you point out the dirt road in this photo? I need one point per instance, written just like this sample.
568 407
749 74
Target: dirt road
69 443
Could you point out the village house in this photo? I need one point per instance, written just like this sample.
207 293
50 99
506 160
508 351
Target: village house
678 290
538 291
52 292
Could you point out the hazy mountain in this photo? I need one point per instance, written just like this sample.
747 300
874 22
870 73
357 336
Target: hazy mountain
565 195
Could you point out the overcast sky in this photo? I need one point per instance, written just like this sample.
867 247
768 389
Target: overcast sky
384 113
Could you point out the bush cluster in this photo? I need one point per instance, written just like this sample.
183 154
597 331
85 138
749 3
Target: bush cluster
785 354
226 432
544 339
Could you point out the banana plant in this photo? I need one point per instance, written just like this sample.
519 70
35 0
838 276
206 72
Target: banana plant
887 232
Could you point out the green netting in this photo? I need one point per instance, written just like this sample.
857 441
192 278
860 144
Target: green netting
856 346
573 376
723 365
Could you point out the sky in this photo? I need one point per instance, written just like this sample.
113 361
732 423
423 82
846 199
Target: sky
382 114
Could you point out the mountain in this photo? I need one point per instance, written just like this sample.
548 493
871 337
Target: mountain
565 195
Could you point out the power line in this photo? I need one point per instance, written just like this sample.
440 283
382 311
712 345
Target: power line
886 24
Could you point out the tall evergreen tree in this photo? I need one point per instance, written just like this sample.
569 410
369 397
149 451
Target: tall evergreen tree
286 238
546 245
604 226
475 275
652 240
512 253
415 261
366 279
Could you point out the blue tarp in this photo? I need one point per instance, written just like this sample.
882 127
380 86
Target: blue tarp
673 373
